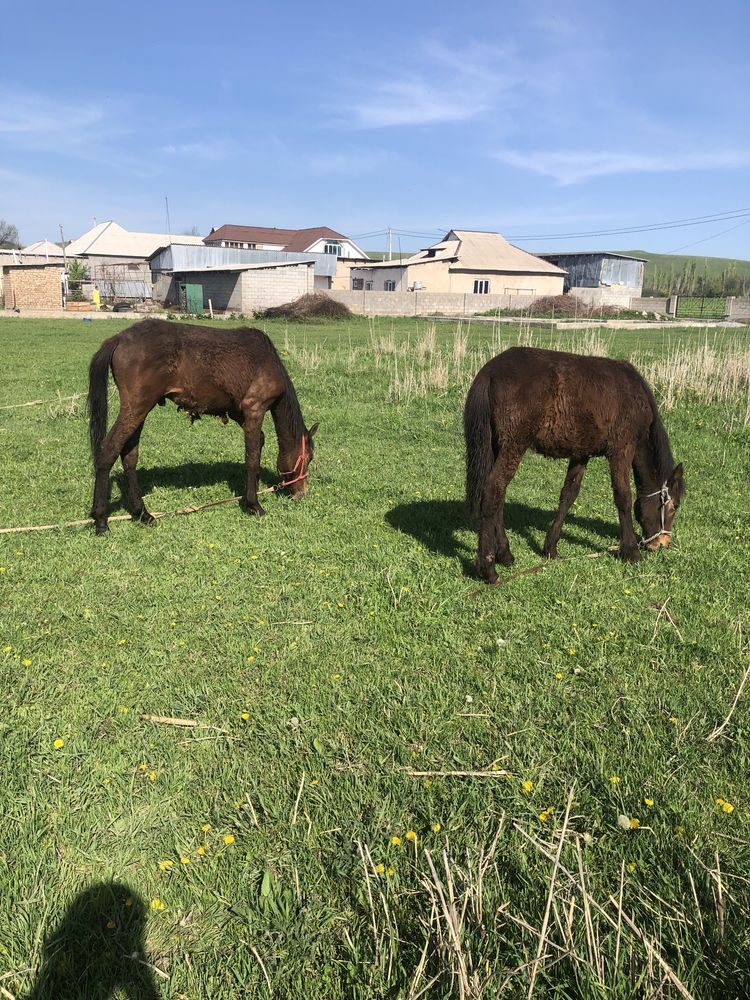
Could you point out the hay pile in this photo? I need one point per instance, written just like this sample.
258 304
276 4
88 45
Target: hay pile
313 306
568 306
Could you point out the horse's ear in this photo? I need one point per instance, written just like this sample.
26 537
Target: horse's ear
676 481
313 430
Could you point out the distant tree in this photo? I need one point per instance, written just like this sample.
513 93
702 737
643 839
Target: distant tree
193 231
9 235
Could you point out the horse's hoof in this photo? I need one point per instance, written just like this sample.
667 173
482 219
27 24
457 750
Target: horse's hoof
631 554
506 558
257 510
549 552
102 528
144 518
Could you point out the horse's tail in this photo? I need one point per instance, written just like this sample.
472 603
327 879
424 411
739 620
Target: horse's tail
98 393
480 456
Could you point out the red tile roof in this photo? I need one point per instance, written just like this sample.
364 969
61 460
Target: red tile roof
290 239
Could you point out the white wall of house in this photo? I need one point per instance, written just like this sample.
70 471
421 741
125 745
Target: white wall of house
379 279
347 249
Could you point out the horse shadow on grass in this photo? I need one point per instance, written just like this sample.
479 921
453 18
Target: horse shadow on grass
97 951
438 524
189 475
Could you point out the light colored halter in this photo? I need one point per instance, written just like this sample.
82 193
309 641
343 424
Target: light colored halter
665 498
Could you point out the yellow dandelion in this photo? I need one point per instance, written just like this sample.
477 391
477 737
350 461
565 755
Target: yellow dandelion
632 866
129 901
727 807
634 823
217 597
527 786
245 716
165 865
558 676
111 925
544 815
436 828
572 652
7 649
411 835
124 709
649 802
390 871
249 659
395 841
26 662
157 904
206 827
185 860
121 642
228 839
201 850
58 744
143 767
673 719
152 775
614 779
313 781
379 869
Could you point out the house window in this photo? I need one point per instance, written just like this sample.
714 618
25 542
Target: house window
482 287
390 285
332 246
358 284
368 286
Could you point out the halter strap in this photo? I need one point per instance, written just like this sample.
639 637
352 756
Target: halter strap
664 494
299 467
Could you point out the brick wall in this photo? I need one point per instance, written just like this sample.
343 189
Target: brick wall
32 286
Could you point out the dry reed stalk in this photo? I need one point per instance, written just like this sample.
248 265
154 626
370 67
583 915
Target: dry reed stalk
720 729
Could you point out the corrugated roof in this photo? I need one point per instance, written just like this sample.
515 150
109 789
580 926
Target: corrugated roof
465 250
217 268
590 253
43 248
108 239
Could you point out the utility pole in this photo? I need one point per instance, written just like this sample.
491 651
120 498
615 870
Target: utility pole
390 255
62 240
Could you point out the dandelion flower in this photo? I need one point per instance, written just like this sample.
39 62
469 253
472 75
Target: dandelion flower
245 716
632 866
206 827
7 649
201 850
390 871
436 828
527 786
379 869
544 815
673 719
124 709
395 841
614 779
726 807
121 642
111 925
129 901
634 823
156 904
649 802
58 744
558 676
411 835
185 860
152 775
314 781
165 865
26 662
228 839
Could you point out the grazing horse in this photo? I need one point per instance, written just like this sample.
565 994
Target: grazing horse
233 373
575 407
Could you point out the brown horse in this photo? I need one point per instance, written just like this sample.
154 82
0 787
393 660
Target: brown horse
575 407
233 373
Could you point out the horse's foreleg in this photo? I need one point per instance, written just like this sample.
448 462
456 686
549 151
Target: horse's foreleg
254 440
568 494
493 541
129 457
619 467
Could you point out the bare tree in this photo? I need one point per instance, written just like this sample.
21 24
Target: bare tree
8 235
193 231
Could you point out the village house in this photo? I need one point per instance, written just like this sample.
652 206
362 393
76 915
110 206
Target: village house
467 262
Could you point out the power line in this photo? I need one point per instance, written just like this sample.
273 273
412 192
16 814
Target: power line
700 220
731 229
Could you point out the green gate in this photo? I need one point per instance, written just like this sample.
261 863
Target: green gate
701 307
192 298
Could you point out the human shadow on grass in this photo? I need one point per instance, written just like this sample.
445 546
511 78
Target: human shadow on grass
97 950
189 475
437 524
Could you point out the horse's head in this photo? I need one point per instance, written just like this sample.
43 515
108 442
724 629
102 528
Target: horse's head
295 479
655 512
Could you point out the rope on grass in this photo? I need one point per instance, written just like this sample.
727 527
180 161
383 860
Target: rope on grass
192 509
40 402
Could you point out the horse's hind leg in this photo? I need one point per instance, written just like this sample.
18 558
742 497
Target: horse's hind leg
129 457
493 541
568 494
112 446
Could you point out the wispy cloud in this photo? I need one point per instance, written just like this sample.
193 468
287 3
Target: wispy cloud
350 161
213 151
573 167
453 86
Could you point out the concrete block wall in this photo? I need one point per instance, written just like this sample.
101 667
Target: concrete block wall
738 309
262 288
427 303
33 287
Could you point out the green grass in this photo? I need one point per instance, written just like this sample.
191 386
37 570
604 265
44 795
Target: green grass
350 631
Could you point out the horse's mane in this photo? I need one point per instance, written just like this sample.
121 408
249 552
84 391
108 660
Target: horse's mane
661 450
289 403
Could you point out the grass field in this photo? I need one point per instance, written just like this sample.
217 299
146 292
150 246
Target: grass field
285 846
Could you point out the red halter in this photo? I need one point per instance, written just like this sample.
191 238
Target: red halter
299 467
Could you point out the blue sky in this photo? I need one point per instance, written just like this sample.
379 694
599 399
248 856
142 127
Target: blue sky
529 119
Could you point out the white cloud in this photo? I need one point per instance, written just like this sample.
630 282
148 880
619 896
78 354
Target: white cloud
199 150
573 167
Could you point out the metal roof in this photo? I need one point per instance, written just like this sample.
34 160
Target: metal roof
220 268
181 257
108 239
590 253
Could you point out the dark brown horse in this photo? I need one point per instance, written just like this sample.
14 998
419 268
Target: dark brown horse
575 407
233 373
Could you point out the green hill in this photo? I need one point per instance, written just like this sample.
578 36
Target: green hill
679 274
